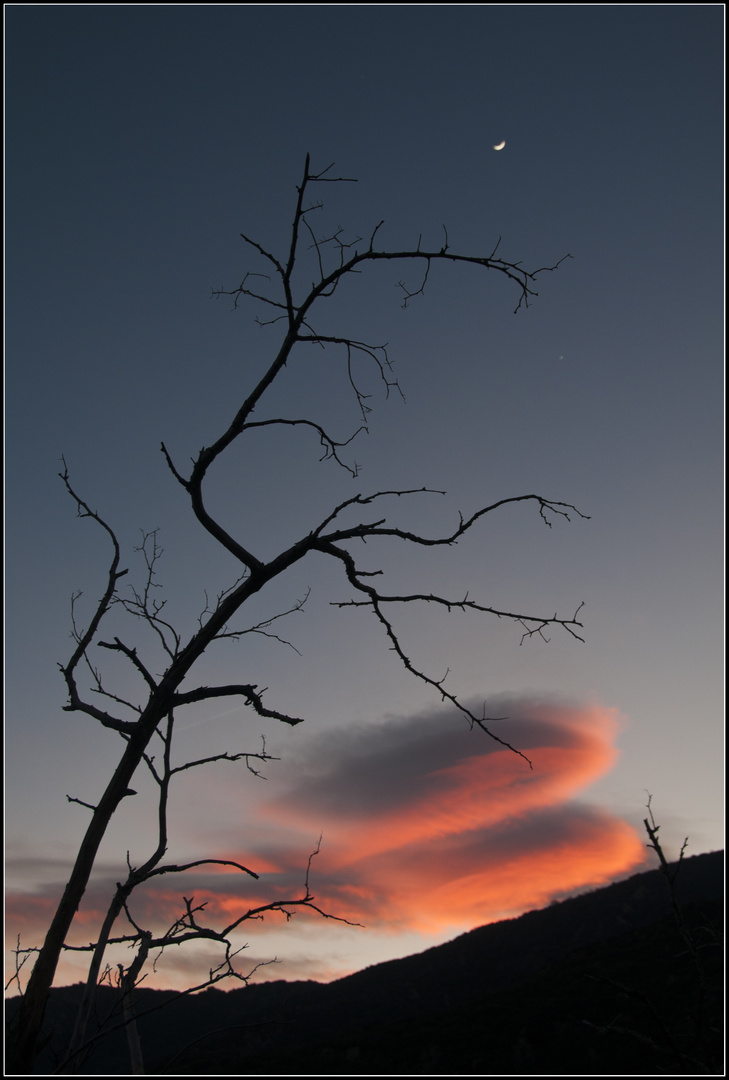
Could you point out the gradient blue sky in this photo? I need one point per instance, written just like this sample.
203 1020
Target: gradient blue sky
141 141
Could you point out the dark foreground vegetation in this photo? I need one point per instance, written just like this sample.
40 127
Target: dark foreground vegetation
601 983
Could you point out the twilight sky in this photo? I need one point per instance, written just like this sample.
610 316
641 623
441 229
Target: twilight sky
141 142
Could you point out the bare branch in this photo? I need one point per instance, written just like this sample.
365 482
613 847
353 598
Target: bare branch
131 654
377 353
84 638
329 445
248 691
200 862
246 756
89 806
145 606
19 964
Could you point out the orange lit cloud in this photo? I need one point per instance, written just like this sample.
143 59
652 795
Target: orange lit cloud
429 827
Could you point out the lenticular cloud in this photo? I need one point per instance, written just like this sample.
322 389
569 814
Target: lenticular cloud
429 825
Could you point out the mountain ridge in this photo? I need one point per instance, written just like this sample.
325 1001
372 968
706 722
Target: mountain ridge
335 1026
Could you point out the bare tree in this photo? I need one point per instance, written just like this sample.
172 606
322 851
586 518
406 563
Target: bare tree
278 293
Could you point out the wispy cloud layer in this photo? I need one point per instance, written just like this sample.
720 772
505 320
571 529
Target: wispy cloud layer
428 826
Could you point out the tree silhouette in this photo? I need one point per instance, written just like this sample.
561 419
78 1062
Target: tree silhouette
150 723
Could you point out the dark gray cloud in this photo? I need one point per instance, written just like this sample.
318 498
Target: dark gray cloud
376 768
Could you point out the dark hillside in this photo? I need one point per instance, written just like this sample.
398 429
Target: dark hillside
541 993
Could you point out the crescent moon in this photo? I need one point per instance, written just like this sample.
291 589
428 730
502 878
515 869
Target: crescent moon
501 145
